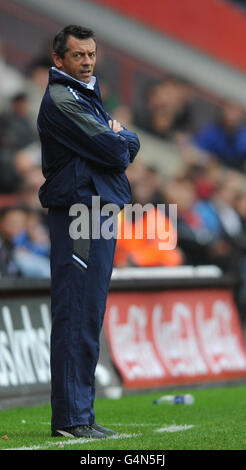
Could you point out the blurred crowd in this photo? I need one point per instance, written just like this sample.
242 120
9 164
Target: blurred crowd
208 188
24 235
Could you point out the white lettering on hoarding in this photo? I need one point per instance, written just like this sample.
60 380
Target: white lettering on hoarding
24 353
177 342
220 345
135 353
8 375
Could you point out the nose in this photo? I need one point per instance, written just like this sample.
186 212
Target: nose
87 60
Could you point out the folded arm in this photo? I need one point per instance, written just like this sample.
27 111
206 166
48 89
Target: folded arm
64 120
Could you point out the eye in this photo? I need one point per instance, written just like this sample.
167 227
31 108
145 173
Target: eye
76 55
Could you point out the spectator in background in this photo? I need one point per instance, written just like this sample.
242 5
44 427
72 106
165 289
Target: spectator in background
38 71
27 158
193 236
229 202
135 247
12 223
209 227
110 100
123 114
28 194
146 183
240 205
35 237
15 166
166 111
9 179
225 139
38 76
32 178
112 104
140 233
24 244
11 81
16 130
137 172
229 225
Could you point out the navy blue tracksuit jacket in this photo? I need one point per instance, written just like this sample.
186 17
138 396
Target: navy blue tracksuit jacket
81 157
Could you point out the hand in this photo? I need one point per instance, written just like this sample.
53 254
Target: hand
115 125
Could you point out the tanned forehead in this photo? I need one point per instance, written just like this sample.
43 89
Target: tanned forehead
81 44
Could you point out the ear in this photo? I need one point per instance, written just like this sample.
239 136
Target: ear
58 61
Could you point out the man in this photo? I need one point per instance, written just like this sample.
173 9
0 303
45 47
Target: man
84 154
225 139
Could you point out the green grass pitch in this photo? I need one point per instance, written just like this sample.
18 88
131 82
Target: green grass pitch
217 420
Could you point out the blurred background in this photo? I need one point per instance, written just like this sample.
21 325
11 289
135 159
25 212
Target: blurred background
174 71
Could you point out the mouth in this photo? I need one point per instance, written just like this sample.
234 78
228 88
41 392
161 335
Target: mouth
85 72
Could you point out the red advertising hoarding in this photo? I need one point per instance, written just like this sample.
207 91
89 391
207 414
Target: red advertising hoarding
175 337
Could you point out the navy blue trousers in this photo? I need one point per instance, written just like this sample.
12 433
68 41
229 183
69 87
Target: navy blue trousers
80 277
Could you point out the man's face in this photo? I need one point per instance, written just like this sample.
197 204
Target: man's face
79 61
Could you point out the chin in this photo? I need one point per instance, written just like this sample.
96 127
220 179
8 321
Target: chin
84 79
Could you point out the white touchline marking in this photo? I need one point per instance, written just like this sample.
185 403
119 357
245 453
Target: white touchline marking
72 441
175 428
24 448
132 424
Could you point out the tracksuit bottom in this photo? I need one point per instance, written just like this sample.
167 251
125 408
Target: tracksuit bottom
80 276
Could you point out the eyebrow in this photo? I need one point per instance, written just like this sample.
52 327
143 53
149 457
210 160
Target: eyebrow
83 52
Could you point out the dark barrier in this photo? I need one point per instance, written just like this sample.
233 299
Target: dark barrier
157 323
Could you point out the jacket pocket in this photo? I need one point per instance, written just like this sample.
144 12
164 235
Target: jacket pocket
59 190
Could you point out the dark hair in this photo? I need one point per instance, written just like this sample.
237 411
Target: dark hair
60 40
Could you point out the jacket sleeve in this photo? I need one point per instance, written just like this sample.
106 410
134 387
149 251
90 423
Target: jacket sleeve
132 140
62 118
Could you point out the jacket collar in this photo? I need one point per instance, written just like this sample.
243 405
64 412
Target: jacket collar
57 76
